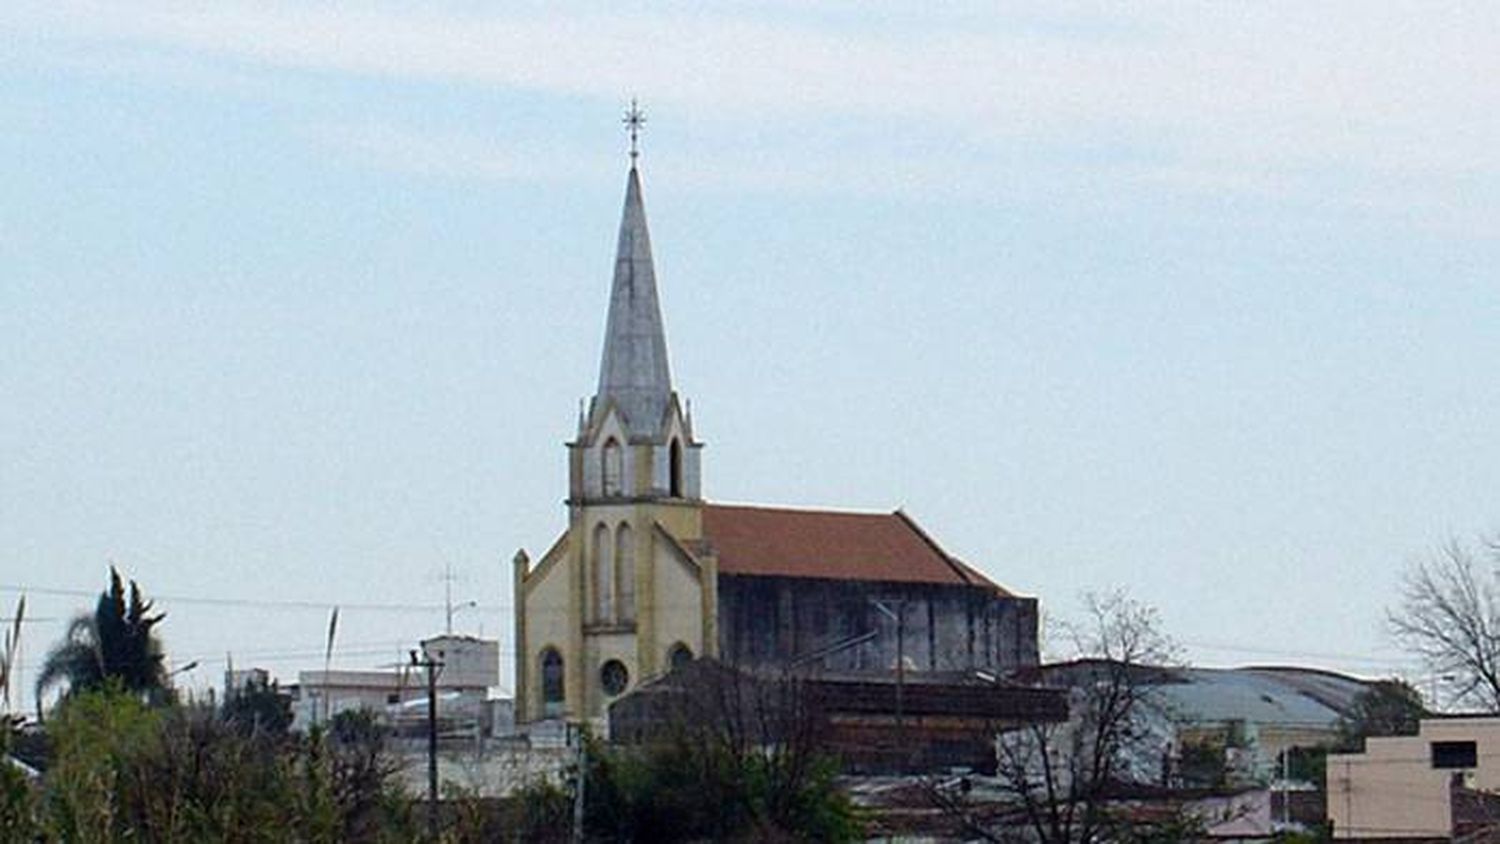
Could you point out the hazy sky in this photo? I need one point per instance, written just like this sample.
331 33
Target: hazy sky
297 300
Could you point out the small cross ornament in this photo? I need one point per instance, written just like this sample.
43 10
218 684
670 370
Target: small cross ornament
634 120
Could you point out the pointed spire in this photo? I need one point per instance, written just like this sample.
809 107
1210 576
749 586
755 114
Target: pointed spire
633 371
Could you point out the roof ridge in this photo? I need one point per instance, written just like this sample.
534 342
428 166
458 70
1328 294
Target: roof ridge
965 572
835 544
800 508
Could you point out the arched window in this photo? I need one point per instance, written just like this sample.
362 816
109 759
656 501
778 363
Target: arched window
675 468
604 576
625 572
679 656
614 466
552 683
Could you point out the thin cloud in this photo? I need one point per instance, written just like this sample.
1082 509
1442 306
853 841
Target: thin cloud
450 154
1238 97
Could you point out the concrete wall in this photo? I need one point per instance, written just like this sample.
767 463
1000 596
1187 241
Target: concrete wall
320 695
1392 790
468 661
485 769
767 621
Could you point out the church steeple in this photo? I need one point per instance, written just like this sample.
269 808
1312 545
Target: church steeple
621 596
633 371
635 442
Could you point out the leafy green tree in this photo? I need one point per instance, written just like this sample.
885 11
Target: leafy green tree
258 708
126 771
734 758
91 734
360 773
683 790
18 814
117 643
1385 708
540 812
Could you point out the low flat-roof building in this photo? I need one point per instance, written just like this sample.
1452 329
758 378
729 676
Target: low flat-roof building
1416 787
470 670
935 723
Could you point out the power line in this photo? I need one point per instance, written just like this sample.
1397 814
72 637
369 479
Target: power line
304 605
1244 649
258 603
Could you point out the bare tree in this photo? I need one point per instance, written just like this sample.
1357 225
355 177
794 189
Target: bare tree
1450 616
1057 780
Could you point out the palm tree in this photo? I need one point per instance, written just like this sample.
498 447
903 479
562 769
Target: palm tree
117 643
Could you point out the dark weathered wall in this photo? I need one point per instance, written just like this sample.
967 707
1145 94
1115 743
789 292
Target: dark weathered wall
766 622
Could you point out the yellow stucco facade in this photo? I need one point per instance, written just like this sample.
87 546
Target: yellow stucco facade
668 602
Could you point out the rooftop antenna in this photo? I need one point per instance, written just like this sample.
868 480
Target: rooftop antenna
634 121
448 596
448 606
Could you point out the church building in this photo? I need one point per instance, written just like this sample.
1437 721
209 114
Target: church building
650 575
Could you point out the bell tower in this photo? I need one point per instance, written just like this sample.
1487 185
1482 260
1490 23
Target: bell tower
640 590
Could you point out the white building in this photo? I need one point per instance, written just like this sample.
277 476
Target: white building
467 683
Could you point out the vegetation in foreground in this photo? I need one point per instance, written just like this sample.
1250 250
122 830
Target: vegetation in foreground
120 769
124 760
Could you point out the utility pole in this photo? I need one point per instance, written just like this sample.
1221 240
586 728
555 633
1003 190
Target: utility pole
1286 787
448 596
901 679
432 666
575 732
898 616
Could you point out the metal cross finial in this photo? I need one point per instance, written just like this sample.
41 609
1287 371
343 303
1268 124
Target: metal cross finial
634 120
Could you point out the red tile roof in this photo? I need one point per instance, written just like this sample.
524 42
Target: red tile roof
830 544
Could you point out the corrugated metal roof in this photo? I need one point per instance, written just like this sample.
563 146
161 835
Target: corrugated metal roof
1289 697
831 544
1336 691
1251 696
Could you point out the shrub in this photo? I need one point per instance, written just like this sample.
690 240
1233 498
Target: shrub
122 771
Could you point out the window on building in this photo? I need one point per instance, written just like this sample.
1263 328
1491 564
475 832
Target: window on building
614 677
614 467
679 656
675 468
552 682
1455 754
625 572
604 576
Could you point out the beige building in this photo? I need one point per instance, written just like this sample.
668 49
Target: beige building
1401 787
649 575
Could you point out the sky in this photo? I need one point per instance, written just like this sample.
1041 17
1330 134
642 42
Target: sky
1194 300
